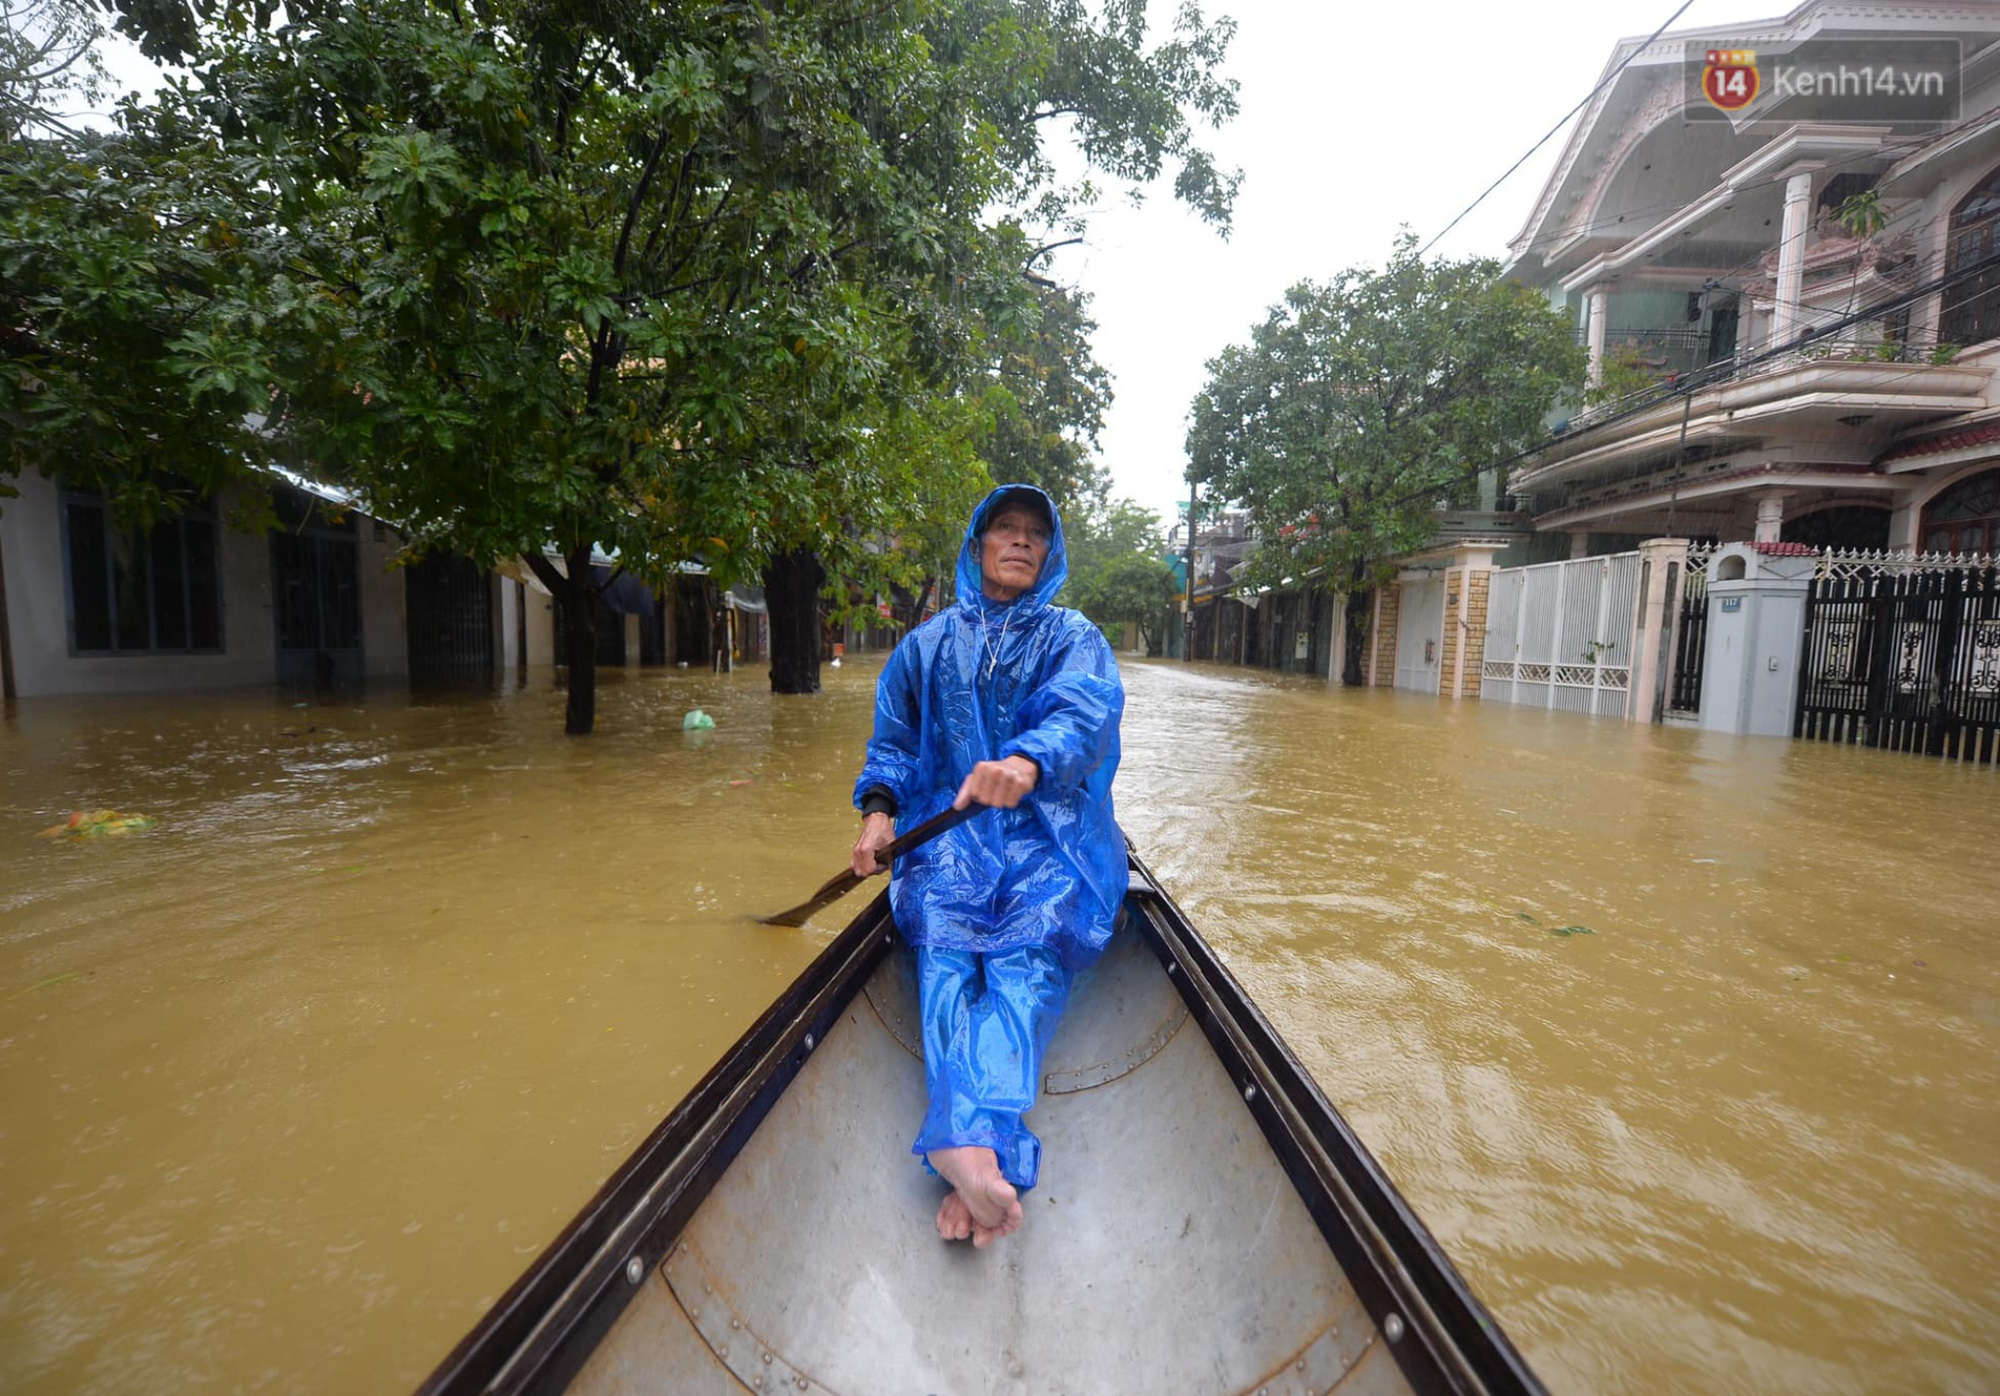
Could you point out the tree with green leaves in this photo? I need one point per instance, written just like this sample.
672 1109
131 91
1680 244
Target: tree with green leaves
1118 571
1135 587
128 262
1362 404
667 281
117 251
49 62
1048 403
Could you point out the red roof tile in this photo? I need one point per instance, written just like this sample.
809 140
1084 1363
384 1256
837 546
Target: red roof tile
1951 441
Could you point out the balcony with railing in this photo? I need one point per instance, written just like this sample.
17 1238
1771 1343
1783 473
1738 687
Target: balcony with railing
1661 352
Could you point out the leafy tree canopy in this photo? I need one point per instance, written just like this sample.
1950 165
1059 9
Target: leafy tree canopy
1360 405
48 62
1135 587
1048 404
704 280
128 264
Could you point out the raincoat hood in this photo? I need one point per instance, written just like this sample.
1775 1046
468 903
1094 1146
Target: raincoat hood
971 579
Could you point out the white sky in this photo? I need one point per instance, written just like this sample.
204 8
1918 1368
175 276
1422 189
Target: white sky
1356 118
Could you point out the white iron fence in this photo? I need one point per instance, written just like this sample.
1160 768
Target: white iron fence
1559 635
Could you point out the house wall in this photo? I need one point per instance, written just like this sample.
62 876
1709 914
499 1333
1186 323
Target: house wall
385 636
541 630
37 586
31 539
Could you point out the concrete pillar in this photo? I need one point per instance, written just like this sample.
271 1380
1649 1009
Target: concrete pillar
1388 609
1904 521
1770 516
1792 256
632 641
1662 564
1467 583
1756 611
1598 300
1579 543
507 622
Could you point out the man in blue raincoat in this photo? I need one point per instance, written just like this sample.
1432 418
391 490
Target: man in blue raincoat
1008 701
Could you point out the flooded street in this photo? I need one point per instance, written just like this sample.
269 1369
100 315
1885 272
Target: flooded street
1687 1048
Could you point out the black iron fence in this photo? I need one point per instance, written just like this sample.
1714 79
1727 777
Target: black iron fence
448 608
1690 636
1904 660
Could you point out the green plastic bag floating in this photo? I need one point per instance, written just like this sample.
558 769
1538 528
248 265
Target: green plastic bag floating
697 721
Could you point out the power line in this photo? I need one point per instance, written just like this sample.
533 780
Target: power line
1591 96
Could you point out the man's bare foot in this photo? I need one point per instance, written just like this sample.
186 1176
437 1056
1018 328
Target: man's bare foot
954 1222
989 1199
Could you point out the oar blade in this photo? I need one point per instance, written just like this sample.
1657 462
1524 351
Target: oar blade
833 890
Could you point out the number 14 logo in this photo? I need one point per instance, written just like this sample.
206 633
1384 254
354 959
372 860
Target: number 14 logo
1729 78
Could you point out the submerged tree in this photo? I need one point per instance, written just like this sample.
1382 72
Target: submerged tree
1360 405
664 280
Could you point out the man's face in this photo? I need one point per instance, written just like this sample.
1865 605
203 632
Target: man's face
1012 551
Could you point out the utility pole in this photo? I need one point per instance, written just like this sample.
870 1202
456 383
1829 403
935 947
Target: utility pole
1187 620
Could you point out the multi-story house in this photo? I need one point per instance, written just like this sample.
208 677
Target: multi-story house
1792 312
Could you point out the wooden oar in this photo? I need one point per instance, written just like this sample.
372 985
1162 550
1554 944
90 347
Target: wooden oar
846 882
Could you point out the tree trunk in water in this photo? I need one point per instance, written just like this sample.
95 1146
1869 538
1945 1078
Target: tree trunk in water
1360 607
580 626
791 589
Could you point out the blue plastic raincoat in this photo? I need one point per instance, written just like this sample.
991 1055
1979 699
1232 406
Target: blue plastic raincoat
1005 908
982 681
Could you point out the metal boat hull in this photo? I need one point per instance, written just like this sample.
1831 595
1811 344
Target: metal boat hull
1192 1231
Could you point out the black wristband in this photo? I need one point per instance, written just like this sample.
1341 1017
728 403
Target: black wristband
877 800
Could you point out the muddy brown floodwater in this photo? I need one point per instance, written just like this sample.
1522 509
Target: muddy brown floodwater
293 1084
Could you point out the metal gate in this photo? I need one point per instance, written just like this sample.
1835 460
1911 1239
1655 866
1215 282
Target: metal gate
1905 660
315 594
1420 635
449 605
1559 634
1690 636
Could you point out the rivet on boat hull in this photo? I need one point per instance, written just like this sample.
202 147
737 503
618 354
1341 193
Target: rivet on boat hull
809 1042
635 1269
1392 1327
1249 1092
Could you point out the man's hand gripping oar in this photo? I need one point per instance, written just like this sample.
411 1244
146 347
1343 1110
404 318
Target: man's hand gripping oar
992 784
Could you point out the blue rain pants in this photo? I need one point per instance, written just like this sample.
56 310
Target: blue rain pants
987 1021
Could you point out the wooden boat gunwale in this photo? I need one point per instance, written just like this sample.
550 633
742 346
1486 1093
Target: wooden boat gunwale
541 1332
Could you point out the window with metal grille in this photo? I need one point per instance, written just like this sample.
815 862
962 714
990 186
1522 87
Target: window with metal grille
140 591
1966 517
1972 306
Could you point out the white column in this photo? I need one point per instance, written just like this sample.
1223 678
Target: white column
1770 516
1792 257
1579 542
1654 614
1598 300
1904 522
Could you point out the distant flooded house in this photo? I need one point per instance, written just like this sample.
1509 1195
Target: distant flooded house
1792 316
1792 322
86 608
692 620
